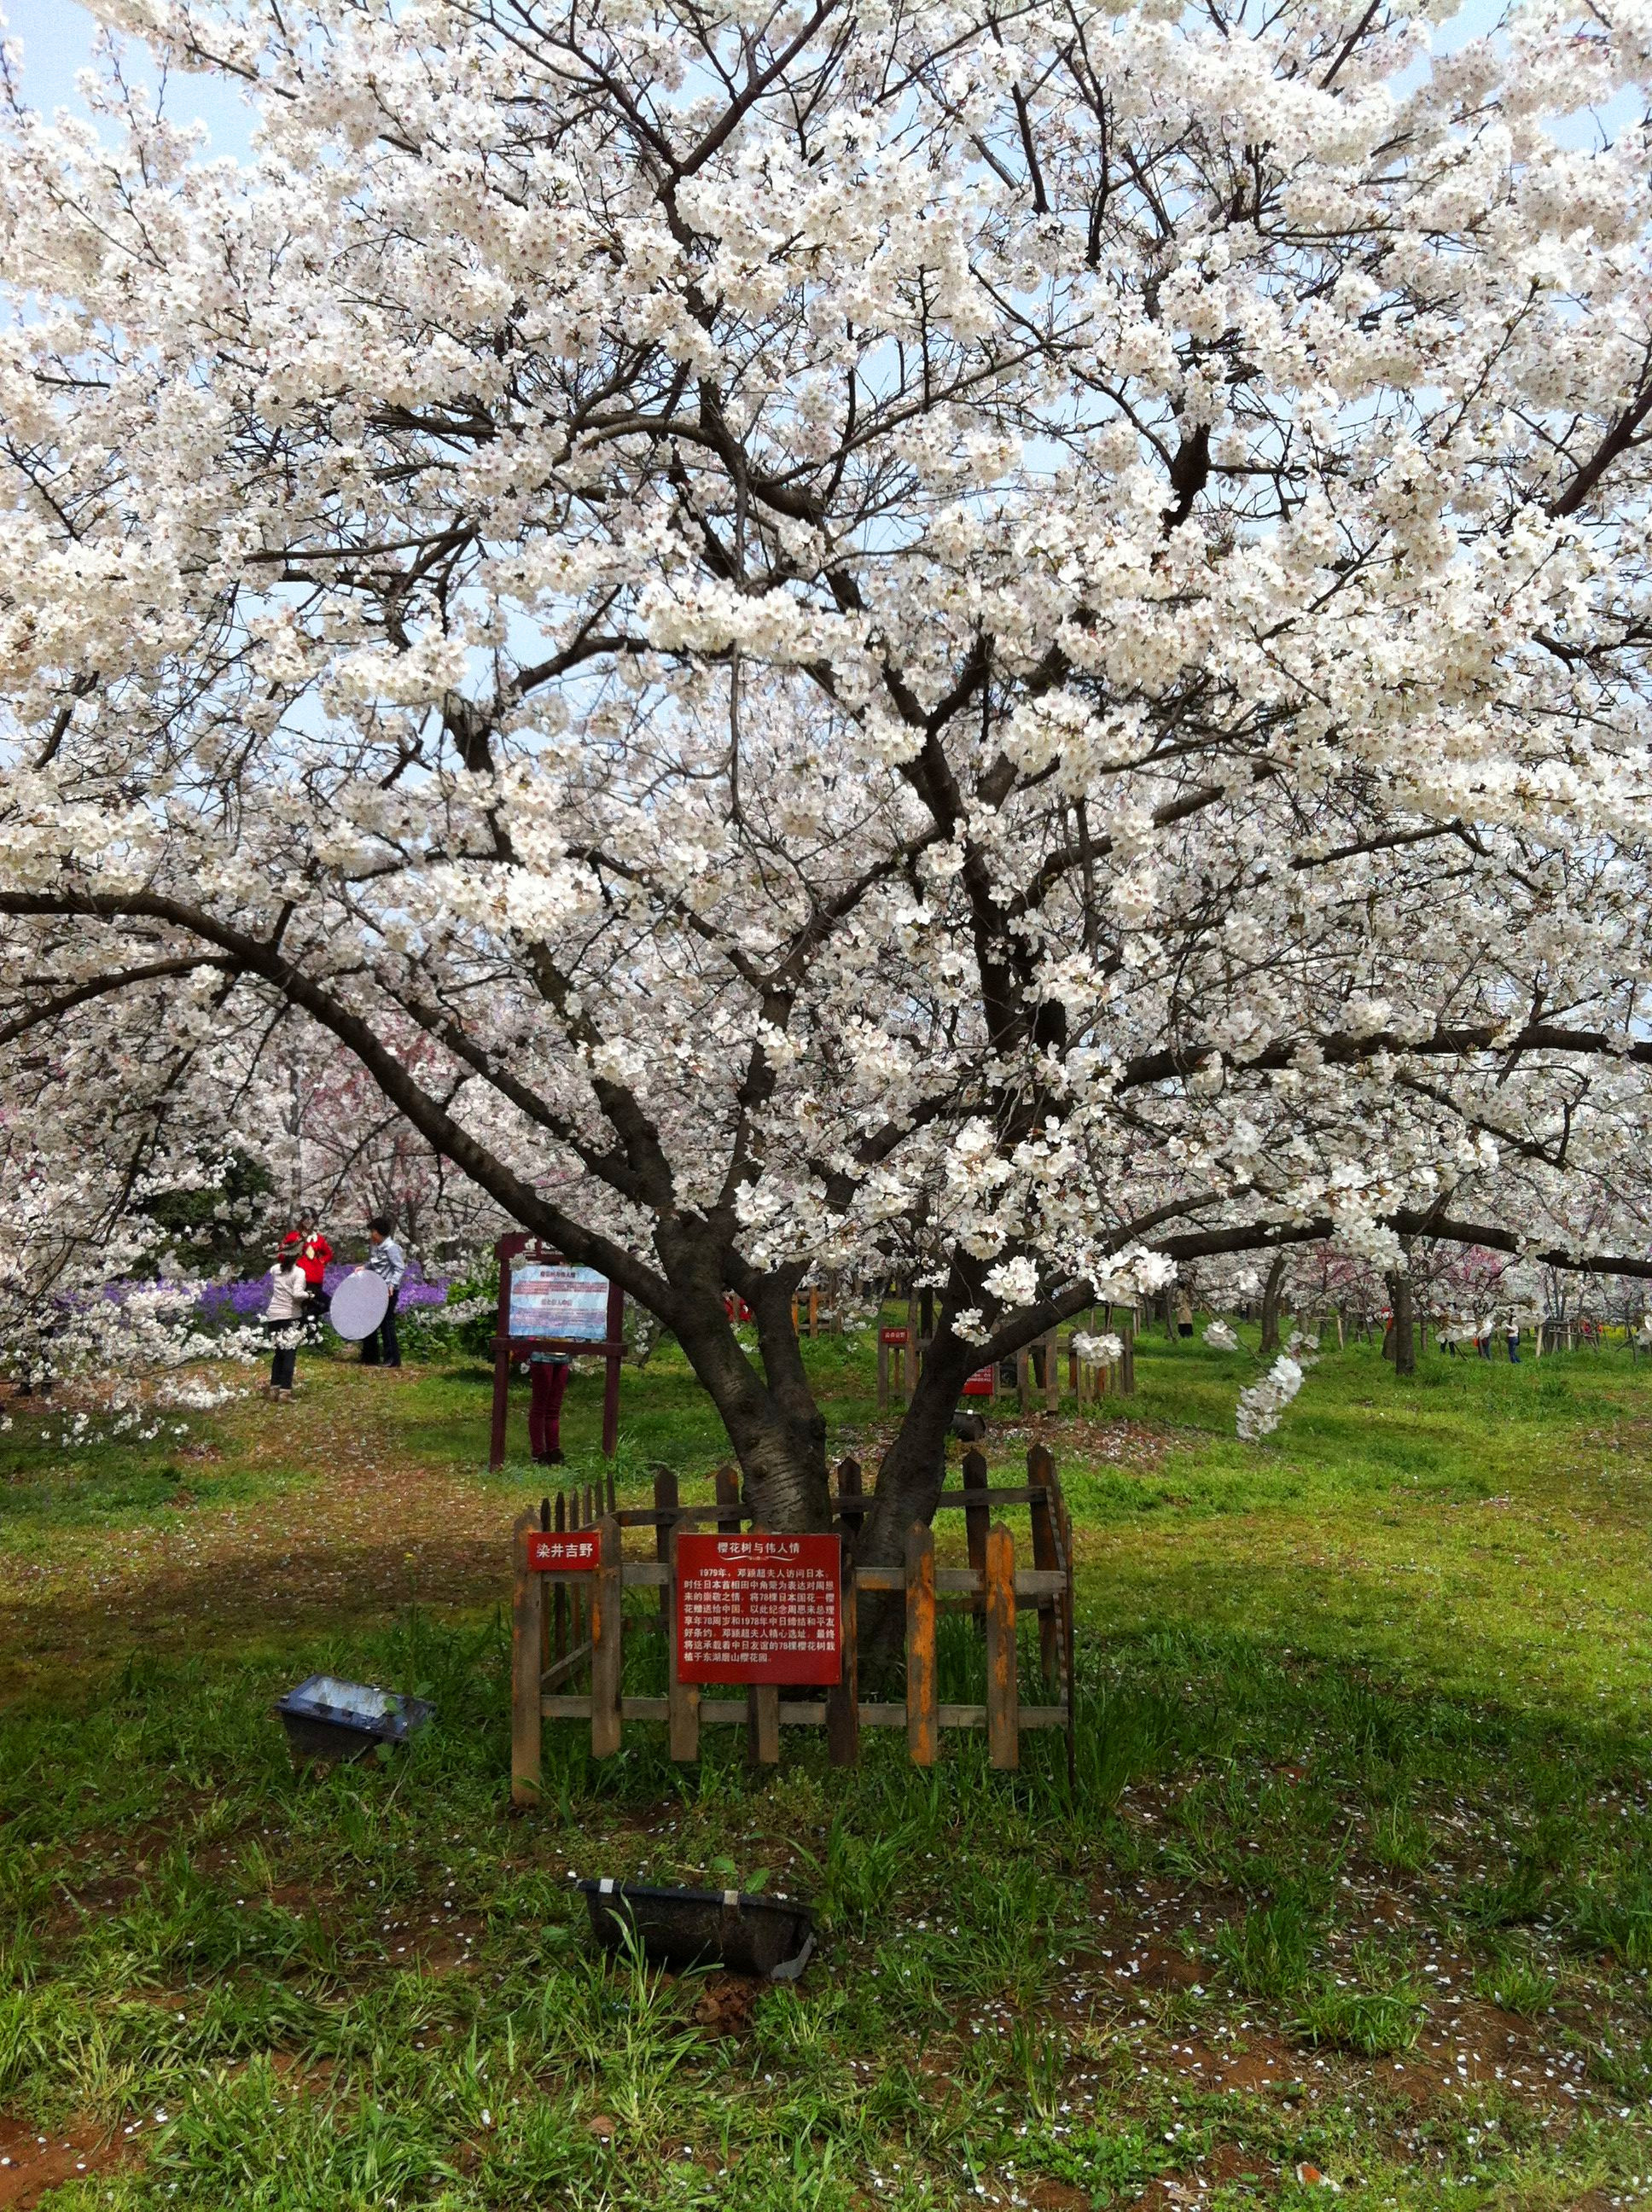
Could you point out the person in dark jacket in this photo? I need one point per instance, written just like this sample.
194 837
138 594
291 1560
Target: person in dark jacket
387 1261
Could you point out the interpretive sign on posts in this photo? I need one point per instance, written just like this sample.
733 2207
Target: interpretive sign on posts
578 1552
547 1304
756 1608
550 1301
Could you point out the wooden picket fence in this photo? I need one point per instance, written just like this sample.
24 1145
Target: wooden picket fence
1038 1369
565 1626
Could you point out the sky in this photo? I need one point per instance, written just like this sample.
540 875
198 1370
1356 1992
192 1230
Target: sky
57 38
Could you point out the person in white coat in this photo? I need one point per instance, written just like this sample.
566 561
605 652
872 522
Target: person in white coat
283 1318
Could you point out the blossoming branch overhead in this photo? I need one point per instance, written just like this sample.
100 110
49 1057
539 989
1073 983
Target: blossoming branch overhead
1005 645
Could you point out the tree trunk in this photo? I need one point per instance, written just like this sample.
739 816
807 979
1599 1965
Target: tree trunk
1270 1295
1404 1325
778 1431
914 1470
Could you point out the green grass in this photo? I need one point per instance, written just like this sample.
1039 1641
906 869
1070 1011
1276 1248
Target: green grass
1356 1874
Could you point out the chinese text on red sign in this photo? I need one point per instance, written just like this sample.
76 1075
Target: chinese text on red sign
755 1608
562 1554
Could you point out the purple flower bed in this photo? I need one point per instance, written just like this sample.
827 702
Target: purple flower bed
246 1300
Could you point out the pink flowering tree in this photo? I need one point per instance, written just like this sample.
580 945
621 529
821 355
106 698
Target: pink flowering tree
1006 648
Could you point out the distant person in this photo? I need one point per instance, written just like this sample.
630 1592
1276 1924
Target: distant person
1513 1336
385 1259
1184 1314
313 1254
1483 1336
283 1318
548 1374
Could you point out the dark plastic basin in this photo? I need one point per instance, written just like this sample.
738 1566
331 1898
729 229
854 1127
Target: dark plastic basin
683 1928
325 1718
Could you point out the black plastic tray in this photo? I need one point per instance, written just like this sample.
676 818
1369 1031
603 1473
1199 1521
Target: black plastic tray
327 1718
683 1928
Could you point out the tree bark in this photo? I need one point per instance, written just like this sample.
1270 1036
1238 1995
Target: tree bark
1270 1295
914 1470
777 1429
1404 1323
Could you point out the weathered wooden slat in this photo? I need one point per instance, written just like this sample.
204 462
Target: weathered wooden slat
682 1698
1003 1731
994 1496
962 1582
607 1616
796 1713
1046 1557
976 1514
666 1501
728 1515
527 1597
545 1602
762 1743
922 1688
843 1699
762 1700
841 1503
850 1493
560 1670
559 1598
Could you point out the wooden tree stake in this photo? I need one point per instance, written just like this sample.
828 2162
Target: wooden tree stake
923 1696
1003 1697
976 1514
607 1617
1041 1470
527 1595
843 1699
665 1501
682 1698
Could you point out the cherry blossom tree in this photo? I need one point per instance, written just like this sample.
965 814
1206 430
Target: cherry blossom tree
1000 645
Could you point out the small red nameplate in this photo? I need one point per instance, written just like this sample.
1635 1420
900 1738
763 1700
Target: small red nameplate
983 1383
895 1335
577 1553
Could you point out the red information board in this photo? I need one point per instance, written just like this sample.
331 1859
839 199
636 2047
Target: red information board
575 1552
759 1609
894 1336
983 1383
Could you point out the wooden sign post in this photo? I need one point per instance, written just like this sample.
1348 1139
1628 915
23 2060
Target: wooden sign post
894 1366
547 1305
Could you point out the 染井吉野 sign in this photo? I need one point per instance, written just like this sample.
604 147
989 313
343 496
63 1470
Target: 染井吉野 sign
759 1609
576 1552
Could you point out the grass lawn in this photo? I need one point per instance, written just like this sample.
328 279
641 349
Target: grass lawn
1355 1886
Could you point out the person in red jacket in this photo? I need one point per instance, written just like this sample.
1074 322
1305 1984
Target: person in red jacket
313 1252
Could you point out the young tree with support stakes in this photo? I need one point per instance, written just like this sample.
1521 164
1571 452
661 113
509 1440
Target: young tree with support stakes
1002 646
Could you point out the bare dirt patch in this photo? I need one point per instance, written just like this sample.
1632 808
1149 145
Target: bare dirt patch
34 2161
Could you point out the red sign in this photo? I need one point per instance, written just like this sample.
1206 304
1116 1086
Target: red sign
894 1336
759 1609
983 1383
577 1553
